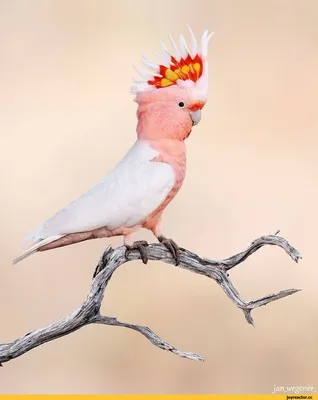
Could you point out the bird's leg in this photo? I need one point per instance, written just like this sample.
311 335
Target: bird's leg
140 246
170 244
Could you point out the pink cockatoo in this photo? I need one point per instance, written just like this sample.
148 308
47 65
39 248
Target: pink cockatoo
136 192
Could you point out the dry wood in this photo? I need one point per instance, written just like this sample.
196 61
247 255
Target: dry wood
89 311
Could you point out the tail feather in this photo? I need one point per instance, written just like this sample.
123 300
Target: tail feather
35 247
34 235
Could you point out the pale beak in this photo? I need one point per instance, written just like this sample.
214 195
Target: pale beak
195 116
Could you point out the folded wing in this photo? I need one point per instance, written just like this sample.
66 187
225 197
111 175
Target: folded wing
125 197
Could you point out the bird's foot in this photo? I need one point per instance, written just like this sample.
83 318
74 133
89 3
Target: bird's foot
140 246
172 246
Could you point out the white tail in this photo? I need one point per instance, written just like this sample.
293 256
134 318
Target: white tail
35 247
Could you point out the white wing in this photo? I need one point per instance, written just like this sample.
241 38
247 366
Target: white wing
126 196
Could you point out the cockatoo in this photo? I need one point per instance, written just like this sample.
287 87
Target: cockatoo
170 96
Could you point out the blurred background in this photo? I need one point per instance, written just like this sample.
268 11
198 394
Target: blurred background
66 117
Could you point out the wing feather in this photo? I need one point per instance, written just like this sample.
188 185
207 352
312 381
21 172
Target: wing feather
126 196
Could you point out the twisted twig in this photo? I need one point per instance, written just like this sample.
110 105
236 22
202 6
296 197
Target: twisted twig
89 311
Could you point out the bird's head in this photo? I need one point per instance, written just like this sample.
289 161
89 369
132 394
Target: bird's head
171 97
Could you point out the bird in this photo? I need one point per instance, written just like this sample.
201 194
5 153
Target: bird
170 95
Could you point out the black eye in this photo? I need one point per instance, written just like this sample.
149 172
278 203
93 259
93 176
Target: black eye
181 104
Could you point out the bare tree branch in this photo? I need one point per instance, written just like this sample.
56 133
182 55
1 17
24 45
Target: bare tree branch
89 311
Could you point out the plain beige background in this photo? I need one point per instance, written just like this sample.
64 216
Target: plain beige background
67 117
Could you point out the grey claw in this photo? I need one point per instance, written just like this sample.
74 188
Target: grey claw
139 246
172 246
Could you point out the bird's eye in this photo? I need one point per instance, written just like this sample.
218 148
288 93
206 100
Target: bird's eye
181 104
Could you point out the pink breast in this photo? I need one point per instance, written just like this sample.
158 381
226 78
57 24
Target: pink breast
172 152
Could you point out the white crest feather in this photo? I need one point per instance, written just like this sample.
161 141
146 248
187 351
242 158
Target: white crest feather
163 60
183 47
149 64
194 43
177 54
143 74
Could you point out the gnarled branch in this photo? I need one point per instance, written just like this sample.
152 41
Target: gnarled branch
89 311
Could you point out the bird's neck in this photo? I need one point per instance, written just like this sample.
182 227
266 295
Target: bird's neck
171 151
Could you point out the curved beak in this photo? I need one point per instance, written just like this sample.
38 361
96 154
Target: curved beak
195 116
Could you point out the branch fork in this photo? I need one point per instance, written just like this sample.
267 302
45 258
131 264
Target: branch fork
89 311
